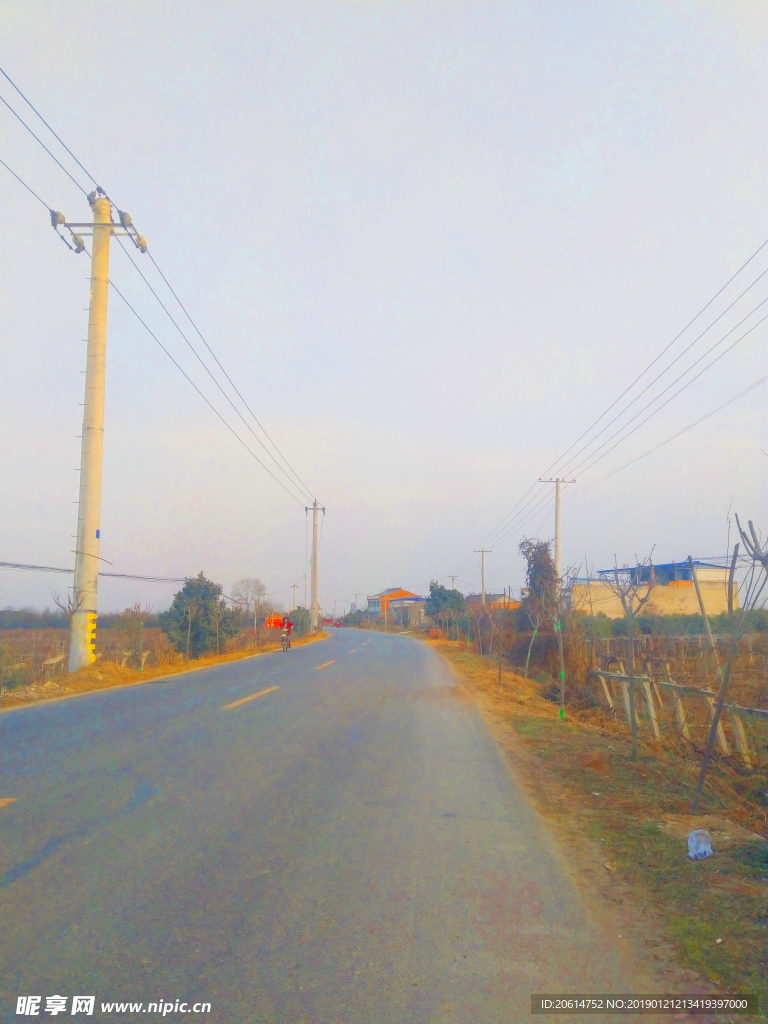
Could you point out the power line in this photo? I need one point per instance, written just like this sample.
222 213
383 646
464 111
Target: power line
672 384
672 437
197 389
202 363
663 351
492 536
114 575
26 186
303 486
29 104
671 397
234 387
50 154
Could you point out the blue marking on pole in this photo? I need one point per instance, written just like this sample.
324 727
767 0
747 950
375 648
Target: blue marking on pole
98 534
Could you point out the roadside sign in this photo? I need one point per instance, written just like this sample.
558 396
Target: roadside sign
273 622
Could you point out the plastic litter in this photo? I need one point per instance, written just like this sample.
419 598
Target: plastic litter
699 844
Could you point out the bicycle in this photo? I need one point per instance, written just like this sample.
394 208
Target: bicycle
286 642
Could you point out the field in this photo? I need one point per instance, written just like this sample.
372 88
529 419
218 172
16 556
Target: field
32 667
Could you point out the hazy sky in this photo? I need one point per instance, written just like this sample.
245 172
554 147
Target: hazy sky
430 242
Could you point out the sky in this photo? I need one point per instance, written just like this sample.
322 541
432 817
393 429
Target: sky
430 243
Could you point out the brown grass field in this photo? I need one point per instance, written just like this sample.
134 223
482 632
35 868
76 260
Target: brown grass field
24 652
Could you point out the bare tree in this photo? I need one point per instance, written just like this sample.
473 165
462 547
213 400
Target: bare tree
191 609
249 594
628 585
218 611
752 595
535 616
67 603
136 615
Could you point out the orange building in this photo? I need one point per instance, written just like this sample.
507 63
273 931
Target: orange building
379 603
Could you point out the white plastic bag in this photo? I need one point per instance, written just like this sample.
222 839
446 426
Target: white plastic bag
699 844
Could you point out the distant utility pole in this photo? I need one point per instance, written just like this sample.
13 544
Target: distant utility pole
335 600
453 581
294 588
82 625
483 552
557 481
305 578
315 509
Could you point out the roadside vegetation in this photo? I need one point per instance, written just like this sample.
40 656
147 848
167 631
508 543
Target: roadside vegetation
631 807
580 775
201 628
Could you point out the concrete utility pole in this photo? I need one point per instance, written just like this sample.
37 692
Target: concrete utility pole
453 581
294 588
315 509
483 552
557 482
305 578
82 623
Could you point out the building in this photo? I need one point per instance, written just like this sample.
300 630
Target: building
673 594
493 601
402 605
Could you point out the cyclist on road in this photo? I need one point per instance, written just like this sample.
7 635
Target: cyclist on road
286 633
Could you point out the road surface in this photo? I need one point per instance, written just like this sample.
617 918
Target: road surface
347 847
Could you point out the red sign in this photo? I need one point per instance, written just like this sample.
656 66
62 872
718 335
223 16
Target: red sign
273 622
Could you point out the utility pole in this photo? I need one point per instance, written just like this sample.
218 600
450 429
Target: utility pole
294 588
483 552
305 578
314 613
335 601
453 581
558 625
82 623
557 482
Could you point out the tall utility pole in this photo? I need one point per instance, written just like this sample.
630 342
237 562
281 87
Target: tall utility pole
483 552
305 578
558 625
453 581
82 623
315 509
557 482
294 588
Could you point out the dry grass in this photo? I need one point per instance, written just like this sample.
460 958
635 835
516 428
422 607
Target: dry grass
580 770
107 674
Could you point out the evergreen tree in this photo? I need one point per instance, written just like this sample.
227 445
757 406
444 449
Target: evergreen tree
199 618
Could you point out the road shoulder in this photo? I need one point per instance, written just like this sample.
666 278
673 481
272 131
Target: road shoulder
565 771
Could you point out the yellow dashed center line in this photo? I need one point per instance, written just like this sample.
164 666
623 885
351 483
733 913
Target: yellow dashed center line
5 800
326 664
252 697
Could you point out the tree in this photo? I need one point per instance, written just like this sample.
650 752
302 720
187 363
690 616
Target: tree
136 616
540 577
198 617
633 590
249 594
752 596
442 600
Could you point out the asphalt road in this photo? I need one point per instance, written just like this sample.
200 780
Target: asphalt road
348 847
